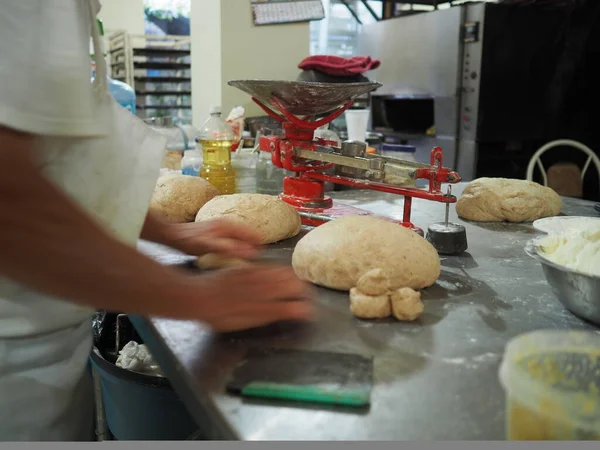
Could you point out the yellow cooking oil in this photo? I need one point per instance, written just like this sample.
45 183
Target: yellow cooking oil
216 165
216 137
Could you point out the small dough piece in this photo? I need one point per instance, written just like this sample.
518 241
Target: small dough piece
338 253
177 198
271 217
406 304
217 261
369 306
502 199
373 282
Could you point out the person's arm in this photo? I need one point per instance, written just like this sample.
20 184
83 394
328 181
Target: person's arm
48 243
198 238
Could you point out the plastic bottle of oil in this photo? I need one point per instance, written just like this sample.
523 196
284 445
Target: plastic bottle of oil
216 138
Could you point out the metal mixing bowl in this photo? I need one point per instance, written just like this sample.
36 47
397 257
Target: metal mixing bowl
578 292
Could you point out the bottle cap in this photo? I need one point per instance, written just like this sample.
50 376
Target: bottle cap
214 110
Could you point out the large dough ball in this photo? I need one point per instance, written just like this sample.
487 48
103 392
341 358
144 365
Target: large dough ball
337 254
274 219
177 198
502 199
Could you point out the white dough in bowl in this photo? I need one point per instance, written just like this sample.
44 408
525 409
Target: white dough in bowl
563 224
579 250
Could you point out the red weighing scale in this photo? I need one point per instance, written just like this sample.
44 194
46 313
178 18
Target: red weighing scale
302 107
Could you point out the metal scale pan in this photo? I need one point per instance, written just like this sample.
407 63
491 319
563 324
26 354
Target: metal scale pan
303 98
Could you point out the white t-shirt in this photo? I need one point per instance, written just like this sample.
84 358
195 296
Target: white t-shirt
107 161
45 67
45 89
100 155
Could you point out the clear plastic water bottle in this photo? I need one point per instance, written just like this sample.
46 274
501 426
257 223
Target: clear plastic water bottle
216 138
122 93
192 161
269 178
166 127
244 163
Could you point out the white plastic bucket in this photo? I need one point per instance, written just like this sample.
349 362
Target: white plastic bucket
552 384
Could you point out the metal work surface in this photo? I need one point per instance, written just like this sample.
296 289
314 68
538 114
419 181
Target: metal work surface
435 379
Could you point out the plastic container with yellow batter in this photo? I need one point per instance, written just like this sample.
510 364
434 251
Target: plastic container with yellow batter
552 384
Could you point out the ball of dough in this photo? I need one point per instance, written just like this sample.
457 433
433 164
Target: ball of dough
172 160
369 306
177 198
373 282
271 217
502 199
406 304
217 261
337 254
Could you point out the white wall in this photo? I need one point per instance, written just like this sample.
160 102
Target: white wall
263 52
226 45
205 35
125 15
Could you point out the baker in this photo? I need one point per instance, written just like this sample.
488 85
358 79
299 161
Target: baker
76 176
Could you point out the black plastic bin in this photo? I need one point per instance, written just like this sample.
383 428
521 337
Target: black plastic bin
139 406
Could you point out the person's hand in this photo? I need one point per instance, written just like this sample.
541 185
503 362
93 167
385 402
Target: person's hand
253 295
215 236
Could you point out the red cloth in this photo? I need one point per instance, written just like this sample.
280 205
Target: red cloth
338 66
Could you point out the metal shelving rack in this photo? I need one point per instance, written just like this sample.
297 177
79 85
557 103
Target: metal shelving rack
159 70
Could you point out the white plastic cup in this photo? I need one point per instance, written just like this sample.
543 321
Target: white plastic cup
357 121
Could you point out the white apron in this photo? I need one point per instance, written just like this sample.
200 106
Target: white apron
45 389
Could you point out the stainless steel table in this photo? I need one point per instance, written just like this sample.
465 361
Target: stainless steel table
435 379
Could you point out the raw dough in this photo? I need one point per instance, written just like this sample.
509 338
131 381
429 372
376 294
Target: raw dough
579 250
271 217
216 261
137 358
373 282
369 306
177 198
502 199
337 254
406 304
